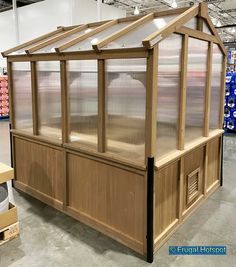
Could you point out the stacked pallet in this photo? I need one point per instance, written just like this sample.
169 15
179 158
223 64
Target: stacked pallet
9 226
230 102
4 97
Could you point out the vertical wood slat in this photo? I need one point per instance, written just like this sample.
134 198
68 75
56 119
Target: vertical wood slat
205 168
64 102
151 103
34 88
208 90
222 97
65 180
183 92
10 90
181 189
102 110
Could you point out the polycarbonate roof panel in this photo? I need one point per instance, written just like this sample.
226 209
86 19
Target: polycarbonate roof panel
22 51
51 48
87 44
135 37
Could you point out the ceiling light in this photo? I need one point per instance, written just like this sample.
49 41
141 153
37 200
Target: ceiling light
88 30
136 11
174 4
233 30
218 24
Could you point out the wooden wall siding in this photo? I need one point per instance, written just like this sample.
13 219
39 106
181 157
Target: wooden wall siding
113 196
213 162
166 198
39 167
192 162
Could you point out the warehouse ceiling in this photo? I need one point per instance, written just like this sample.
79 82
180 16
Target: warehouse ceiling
7 4
222 12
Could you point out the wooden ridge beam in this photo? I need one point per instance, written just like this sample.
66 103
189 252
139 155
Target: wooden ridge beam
123 31
171 27
86 35
55 39
31 42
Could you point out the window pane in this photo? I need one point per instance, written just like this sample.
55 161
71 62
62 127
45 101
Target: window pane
192 24
196 82
83 99
126 85
134 38
49 98
217 59
168 94
22 96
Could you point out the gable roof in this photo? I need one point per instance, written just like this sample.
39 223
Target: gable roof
132 32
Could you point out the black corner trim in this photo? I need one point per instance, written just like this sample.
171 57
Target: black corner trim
11 145
221 160
150 196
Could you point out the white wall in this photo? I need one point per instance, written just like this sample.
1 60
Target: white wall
42 17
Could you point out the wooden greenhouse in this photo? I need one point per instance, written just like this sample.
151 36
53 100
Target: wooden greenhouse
119 123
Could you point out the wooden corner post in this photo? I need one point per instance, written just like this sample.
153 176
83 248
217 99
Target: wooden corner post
34 88
151 103
102 111
208 90
183 93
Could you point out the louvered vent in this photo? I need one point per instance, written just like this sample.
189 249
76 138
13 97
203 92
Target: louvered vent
192 186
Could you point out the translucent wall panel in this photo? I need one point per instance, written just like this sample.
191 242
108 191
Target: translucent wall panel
126 93
22 96
134 38
217 59
83 101
87 44
49 98
196 83
169 67
192 24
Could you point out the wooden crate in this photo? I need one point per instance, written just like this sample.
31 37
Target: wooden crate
9 232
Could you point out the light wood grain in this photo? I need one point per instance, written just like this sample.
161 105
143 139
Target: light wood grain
38 39
55 39
213 162
171 27
111 195
207 100
86 35
39 167
151 103
166 197
183 91
123 31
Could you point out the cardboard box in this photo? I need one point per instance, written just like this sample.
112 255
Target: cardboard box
8 217
6 173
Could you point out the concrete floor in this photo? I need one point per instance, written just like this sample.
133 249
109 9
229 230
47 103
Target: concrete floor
49 238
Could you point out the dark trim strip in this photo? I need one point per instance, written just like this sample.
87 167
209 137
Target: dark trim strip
11 148
150 196
222 160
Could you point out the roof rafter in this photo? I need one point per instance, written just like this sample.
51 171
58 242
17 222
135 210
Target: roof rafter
123 31
171 27
86 35
31 42
55 39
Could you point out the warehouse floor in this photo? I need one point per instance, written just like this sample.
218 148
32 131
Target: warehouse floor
50 238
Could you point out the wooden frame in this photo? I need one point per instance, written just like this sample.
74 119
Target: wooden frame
94 184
